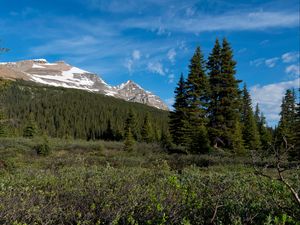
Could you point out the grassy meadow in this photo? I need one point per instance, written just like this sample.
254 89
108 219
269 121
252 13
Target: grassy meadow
81 182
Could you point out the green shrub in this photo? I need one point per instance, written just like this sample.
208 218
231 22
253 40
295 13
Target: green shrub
42 149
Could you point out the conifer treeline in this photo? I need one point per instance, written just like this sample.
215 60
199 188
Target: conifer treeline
289 124
68 113
211 110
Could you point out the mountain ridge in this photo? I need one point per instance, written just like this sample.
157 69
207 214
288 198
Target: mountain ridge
62 74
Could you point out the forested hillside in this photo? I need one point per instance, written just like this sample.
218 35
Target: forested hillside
32 109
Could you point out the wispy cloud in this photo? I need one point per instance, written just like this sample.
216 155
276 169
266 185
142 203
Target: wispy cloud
135 57
290 57
156 67
271 62
293 70
171 55
232 21
128 64
269 98
136 54
257 62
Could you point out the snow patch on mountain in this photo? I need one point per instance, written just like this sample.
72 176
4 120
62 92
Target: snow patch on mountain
37 66
61 74
73 70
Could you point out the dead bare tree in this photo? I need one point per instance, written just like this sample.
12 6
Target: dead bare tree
280 155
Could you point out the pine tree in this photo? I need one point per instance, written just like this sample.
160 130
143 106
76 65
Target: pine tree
257 114
200 142
197 90
216 119
237 140
295 151
289 124
250 131
129 141
264 132
131 124
147 131
178 118
287 117
30 129
166 140
225 95
197 96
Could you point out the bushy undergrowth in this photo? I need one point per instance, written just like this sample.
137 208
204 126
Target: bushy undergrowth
97 183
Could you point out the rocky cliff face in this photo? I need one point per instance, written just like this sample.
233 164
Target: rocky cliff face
62 74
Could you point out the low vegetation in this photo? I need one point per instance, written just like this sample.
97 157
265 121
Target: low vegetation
83 182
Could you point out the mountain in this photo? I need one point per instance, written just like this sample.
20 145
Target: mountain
61 74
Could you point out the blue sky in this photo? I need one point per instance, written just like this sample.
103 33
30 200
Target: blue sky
152 41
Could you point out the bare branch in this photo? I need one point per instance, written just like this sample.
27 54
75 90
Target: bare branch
280 170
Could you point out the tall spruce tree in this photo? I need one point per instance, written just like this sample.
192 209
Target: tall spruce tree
264 132
225 95
129 140
295 151
287 117
178 118
250 131
257 114
216 119
197 96
30 129
147 131
237 140
131 124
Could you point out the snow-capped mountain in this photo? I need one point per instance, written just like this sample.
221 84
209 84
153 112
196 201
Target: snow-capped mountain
61 74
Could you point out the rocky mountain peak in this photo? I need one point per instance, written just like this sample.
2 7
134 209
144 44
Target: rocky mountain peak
64 75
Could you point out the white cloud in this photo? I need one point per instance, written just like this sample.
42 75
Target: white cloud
171 78
268 62
257 62
269 98
290 57
293 70
136 54
232 21
156 67
271 62
182 45
171 55
128 64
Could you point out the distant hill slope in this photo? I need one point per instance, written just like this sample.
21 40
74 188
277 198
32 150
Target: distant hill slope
61 74
64 112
